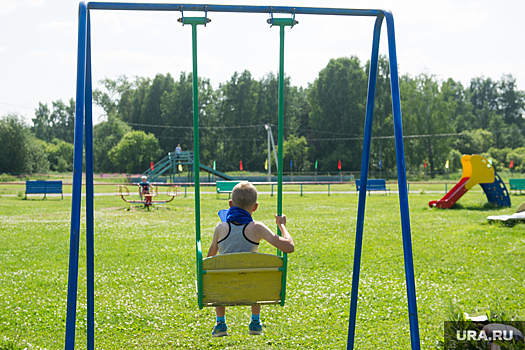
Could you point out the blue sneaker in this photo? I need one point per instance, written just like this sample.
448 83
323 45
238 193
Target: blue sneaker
220 330
255 327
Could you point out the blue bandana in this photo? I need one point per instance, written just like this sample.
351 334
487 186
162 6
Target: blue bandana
235 214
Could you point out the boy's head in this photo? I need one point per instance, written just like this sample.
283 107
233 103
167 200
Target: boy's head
144 178
244 195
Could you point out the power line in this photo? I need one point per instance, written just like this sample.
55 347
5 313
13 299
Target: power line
355 138
200 127
9 104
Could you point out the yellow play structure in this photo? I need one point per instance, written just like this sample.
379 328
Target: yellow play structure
477 170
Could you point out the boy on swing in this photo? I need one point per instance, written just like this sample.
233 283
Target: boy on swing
241 234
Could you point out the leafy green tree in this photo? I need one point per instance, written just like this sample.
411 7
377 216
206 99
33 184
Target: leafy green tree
107 135
60 155
56 123
425 112
499 130
151 112
63 120
131 100
177 113
36 159
499 157
41 122
484 91
383 122
297 111
512 101
134 153
21 152
337 100
235 109
462 117
13 153
109 99
517 156
296 149
474 142
454 158
515 137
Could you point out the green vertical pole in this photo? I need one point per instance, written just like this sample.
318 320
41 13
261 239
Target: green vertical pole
281 22
280 155
280 136
196 162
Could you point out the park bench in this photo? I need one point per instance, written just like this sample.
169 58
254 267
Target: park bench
44 187
517 184
225 187
373 185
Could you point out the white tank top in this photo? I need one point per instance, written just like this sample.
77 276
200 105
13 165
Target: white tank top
236 240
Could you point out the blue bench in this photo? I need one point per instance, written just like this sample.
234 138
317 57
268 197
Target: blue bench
373 185
44 187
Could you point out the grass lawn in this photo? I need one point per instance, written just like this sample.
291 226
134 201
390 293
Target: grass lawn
145 272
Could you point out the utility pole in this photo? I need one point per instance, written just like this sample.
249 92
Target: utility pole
270 139
269 162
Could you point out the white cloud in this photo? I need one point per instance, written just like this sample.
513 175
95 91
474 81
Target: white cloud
66 57
149 64
8 6
58 26
3 49
39 54
107 19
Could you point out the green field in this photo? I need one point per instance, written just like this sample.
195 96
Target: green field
145 272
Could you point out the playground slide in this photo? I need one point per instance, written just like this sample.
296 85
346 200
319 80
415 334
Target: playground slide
476 170
496 192
168 165
215 172
452 196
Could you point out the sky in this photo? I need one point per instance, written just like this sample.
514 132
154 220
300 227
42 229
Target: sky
449 39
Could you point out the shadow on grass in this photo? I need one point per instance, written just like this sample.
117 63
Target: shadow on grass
507 223
479 207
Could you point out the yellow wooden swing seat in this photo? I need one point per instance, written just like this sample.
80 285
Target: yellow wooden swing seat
242 279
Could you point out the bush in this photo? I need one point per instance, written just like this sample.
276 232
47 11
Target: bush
499 157
455 161
60 155
13 153
36 158
135 151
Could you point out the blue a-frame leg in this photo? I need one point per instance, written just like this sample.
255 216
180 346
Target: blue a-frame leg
401 178
77 179
83 117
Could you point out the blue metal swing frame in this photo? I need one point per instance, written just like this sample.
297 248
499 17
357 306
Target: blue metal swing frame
84 117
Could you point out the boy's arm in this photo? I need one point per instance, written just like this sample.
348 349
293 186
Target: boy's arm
285 242
214 248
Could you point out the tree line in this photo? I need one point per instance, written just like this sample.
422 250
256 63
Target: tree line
324 122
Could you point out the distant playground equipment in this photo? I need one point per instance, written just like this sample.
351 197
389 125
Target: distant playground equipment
476 170
147 201
519 215
171 165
